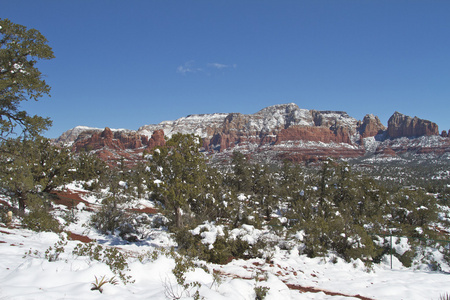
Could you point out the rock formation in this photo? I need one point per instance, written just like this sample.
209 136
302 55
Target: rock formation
280 131
370 126
313 134
400 125
157 139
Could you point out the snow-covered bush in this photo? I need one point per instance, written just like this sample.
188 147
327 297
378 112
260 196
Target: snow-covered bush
38 217
116 260
113 217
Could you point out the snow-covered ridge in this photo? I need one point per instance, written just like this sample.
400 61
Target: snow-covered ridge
71 135
199 124
266 120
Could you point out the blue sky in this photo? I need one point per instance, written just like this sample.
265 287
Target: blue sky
124 64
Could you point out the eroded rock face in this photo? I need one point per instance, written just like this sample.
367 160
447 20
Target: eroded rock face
314 134
118 140
118 146
370 126
400 125
279 123
157 139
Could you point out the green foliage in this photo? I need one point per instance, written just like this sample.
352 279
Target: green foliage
241 178
32 167
223 250
137 180
188 289
336 211
110 216
406 258
20 79
111 256
53 253
39 218
88 167
114 217
261 292
177 178
413 208
4 214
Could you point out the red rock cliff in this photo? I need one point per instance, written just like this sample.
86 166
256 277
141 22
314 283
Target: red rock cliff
370 126
400 125
314 134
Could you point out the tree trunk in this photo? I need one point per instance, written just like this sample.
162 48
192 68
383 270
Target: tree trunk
178 217
22 198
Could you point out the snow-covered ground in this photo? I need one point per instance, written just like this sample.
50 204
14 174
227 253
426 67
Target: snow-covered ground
29 275
29 269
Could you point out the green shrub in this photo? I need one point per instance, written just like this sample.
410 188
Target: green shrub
183 265
113 218
110 216
406 258
53 253
261 292
223 249
111 256
39 218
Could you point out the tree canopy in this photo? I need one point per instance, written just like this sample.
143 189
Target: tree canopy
179 170
20 79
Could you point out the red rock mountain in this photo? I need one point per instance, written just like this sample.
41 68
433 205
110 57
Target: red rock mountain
276 132
400 125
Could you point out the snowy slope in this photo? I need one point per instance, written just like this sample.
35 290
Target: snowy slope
26 272
195 124
32 276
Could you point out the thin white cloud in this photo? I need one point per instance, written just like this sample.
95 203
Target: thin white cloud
217 66
188 67
221 66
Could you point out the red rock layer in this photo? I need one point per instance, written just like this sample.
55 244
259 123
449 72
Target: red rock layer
314 134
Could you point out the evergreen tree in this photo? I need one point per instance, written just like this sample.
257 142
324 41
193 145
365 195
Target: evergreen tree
20 80
33 167
89 167
412 209
240 178
178 173
265 189
138 179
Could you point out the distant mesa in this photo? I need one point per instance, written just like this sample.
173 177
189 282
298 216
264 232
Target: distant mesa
282 131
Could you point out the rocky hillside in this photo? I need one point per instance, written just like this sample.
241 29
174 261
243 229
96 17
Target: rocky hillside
276 132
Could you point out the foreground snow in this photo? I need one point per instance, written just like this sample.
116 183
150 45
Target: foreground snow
25 273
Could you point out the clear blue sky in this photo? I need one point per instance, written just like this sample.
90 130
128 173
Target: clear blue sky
124 64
